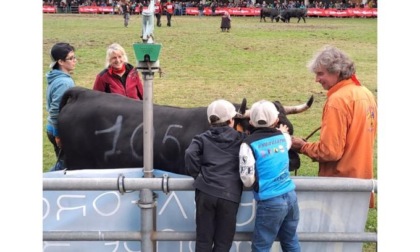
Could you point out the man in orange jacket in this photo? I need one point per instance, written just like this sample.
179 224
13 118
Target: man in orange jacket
349 120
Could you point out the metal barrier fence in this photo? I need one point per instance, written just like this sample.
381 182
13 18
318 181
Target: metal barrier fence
304 185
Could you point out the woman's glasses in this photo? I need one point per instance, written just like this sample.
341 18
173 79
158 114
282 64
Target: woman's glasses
71 58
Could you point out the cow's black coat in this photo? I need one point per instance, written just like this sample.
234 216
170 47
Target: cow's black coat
101 131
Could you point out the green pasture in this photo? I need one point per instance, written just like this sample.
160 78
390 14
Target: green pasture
255 60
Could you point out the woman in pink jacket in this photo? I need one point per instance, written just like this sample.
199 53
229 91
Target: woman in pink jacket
119 76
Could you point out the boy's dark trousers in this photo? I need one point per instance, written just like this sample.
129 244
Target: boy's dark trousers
215 222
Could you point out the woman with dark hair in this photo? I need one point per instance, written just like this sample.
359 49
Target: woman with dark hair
58 81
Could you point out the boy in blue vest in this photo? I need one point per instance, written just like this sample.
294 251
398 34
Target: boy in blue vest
264 166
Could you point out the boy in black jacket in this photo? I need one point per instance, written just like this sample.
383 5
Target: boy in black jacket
213 159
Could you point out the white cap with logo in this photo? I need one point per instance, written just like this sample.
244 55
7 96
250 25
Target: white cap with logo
220 111
263 114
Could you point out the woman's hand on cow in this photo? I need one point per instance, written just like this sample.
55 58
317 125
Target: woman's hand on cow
58 141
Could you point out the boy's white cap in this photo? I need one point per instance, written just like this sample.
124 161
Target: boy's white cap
222 109
263 114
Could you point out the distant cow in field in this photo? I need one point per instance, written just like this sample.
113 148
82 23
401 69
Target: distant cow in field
273 13
285 15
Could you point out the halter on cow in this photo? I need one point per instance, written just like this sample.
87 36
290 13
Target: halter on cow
103 131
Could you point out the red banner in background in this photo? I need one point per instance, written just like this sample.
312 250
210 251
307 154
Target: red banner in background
237 11
102 9
49 9
353 12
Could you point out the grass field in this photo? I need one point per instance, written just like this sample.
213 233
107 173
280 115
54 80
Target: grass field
255 60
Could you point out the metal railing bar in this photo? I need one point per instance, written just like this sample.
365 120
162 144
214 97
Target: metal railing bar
182 184
190 236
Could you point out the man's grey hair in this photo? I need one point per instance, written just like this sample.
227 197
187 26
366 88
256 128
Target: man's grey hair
334 60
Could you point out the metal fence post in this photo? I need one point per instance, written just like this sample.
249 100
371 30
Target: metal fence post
147 54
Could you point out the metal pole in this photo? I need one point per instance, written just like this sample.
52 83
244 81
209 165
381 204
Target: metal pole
148 125
146 202
147 55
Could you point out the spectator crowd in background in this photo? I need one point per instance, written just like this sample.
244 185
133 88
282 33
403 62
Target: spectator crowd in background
180 6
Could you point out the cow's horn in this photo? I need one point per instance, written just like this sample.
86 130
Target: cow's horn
299 108
243 106
242 112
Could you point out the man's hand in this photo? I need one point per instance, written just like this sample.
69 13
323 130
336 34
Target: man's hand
297 143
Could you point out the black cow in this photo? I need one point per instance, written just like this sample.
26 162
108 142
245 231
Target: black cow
100 130
286 14
273 13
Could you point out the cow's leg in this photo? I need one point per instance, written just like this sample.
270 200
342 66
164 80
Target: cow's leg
298 19
304 19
